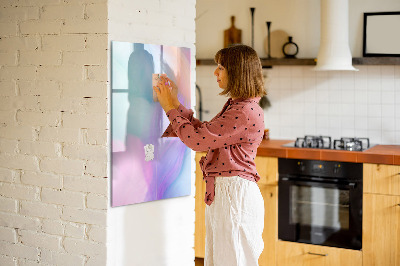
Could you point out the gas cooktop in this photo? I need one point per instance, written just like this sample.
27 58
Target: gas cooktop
325 142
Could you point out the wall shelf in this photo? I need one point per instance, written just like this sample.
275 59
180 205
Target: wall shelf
312 61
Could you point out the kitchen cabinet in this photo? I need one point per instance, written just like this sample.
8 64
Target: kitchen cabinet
381 179
381 215
267 168
298 254
200 207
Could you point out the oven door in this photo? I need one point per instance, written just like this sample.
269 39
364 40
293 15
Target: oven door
321 212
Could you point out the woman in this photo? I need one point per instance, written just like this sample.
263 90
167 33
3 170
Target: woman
235 207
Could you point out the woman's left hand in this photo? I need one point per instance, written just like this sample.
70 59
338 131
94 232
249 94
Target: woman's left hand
164 96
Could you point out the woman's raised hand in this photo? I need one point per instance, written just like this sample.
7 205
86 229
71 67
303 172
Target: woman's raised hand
165 94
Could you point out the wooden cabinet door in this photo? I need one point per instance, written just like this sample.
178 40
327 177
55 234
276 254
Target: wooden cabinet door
381 179
200 207
381 230
270 233
267 168
298 254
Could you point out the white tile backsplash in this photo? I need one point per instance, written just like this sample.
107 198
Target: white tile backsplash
364 103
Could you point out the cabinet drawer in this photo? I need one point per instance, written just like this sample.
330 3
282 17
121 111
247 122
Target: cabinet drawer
381 179
294 254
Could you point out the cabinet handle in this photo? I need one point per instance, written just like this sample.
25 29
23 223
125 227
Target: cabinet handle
318 254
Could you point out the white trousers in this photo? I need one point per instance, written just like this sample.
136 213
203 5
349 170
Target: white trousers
234 223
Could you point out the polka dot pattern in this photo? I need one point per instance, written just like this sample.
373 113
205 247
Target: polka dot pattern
231 139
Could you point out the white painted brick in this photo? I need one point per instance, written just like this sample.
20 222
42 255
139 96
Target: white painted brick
19 221
97 73
19 13
25 103
7 88
7 175
17 191
57 134
75 230
6 103
85 89
84 247
8 146
35 239
41 210
55 103
19 43
17 132
61 259
96 137
84 121
60 73
25 262
40 58
97 234
40 148
94 201
40 27
62 12
8 205
18 72
7 117
39 87
98 11
93 1
87 57
97 260
85 152
96 168
62 166
63 197
84 26
39 118
8 261
174 8
86 184
53 227
41 179
84 216
18 250
8 234
8 58
18 161
65 42
97 42
30 2
95 105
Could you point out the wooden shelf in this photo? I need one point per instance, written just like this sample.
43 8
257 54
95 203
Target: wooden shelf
312 61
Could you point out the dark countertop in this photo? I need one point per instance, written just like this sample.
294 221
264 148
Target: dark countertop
379 154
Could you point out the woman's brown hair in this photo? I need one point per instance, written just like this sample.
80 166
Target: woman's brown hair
245 78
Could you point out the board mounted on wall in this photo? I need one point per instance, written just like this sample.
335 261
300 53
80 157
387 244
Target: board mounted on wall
144 166
381 34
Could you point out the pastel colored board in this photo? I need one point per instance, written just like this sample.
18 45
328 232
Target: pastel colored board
144 166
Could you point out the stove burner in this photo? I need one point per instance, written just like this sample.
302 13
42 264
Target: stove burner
351 144
308 141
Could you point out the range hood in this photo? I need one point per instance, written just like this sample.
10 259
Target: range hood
334 51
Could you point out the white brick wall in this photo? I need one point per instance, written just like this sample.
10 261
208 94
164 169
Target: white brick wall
53 122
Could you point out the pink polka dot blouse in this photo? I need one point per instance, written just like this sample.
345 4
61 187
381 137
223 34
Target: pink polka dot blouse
231 139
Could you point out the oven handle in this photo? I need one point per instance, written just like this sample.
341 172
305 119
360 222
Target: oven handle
298 181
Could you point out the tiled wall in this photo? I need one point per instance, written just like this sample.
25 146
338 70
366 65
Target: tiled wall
338 104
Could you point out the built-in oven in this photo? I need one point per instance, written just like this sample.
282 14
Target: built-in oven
320 202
